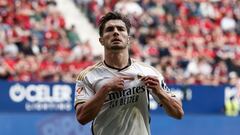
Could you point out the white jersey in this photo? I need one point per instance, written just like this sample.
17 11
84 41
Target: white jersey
124 112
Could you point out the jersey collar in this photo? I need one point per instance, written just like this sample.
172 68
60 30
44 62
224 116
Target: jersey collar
119 69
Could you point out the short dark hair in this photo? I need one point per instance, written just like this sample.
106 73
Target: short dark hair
113 16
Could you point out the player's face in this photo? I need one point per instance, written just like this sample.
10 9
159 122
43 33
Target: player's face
115 36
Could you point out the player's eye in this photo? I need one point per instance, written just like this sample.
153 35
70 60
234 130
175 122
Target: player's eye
121 28
108 29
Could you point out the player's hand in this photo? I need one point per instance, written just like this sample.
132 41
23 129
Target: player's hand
117 83
151 82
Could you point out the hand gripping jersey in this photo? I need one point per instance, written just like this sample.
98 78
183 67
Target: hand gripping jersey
124 112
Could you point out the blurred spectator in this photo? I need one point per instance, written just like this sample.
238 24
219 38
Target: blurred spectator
228 23
35 45
73 36
128 7
193 42
232 105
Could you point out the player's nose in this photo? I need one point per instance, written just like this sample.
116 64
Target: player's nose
115 31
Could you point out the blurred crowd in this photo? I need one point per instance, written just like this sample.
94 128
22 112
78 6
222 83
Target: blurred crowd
188 41
35 44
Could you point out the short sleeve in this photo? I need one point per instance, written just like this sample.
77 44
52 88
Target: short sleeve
82 92
164 87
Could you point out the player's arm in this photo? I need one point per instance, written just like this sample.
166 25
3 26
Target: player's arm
87 111
171 104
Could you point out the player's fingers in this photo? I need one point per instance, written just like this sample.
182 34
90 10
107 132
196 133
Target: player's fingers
151 87
149 78
119 86
127 77
144 78
151 82
122 83
154 78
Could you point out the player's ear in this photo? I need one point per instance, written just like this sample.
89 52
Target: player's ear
101 40
129 41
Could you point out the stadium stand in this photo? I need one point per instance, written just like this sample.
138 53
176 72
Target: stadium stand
195 44
190 42
36 45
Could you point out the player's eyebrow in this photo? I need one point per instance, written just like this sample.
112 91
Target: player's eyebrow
110 28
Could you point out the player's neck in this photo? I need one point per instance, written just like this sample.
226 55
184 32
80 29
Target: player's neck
117 60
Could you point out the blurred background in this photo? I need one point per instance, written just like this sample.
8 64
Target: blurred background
44 44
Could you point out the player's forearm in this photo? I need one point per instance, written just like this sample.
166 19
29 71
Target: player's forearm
172 105
89 110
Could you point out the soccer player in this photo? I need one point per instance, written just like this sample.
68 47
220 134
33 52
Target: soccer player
114 93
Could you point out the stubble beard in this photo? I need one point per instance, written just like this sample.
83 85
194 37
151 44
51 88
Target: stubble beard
117 47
